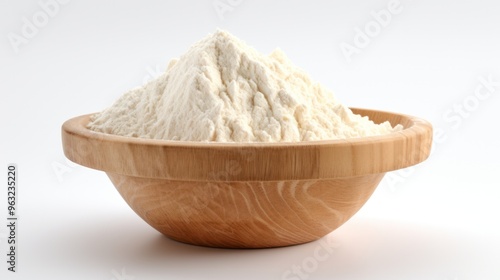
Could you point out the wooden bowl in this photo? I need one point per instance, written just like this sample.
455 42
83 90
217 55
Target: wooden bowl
248 195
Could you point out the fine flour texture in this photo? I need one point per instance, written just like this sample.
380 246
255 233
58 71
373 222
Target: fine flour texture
223 90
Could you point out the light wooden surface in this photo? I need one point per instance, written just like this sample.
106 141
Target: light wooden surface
245 214
179 160
248 195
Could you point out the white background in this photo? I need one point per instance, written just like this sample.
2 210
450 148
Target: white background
438 220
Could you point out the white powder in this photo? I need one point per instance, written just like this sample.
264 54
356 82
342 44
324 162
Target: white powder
225 91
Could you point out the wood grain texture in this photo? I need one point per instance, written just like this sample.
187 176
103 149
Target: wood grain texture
248 195
245 214
197 161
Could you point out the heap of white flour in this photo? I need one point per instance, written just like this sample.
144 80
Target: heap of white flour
223 90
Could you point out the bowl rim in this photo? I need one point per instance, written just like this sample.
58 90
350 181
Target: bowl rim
79 142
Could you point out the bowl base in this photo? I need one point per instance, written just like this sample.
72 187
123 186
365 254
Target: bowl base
252 214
